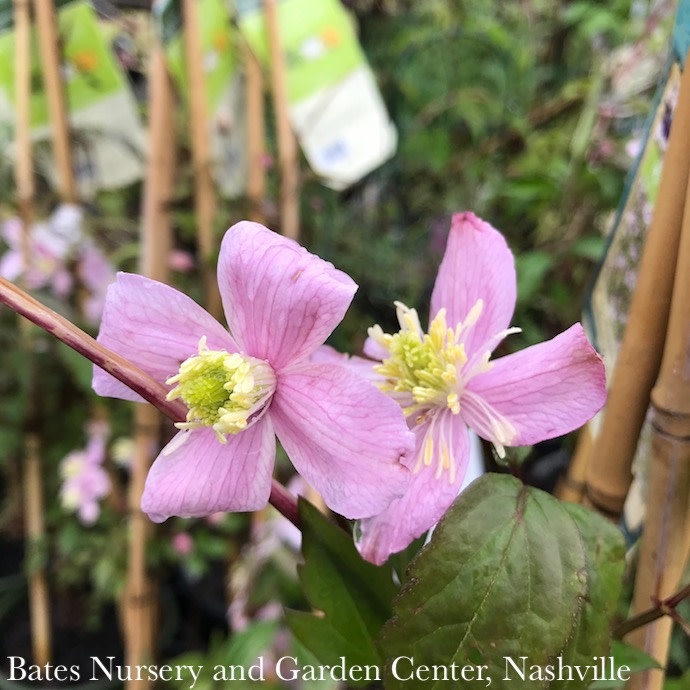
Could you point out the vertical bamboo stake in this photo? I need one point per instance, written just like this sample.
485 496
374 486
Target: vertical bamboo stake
256 149
46 23
664 549
608 479
41 635
33 485
571 487
139 606
287 143
205 200
24 166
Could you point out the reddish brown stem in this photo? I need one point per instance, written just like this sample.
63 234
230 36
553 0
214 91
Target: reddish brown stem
662 608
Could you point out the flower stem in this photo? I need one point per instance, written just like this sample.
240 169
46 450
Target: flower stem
662 608
119 367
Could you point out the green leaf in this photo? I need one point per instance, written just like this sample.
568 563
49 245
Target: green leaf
510 572
354 596
531 269
248 645
428 148
625 655
590 247
682 683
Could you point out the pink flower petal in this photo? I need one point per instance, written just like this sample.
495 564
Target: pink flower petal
281 302
477 265
154 326
374 350
545 391
360 365
343 435
11 264
88 512
196 475
426 500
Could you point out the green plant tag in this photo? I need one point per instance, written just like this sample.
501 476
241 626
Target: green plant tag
107 136
334 103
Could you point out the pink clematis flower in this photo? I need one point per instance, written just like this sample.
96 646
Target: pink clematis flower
96 273
48 258
245 386
445 382
85 482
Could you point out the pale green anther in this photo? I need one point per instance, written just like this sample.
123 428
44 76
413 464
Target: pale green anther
425 365
223 390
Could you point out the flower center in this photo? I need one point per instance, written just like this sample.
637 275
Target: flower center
423 367
226 391
429 372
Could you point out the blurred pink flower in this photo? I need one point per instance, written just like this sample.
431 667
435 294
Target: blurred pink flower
244 387
53 245
85 482
182 543
445 382
47 258
633 147
215 519
181 261
96 273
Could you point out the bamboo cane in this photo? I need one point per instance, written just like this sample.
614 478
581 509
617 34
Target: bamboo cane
571 487
205 200
41 634
608 479
287 143
46 23
664 549
139 604
256 149
33 485
23 166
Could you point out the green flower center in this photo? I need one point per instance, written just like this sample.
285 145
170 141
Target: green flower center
226 391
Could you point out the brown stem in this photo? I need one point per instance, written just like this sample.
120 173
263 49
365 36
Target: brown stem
653 614
119 367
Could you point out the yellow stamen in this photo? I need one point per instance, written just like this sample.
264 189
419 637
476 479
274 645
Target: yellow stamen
426 366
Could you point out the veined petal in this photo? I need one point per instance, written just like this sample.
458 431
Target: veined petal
360 365
429 495
155 327
543 391
477 265
344 436
281 302
195 475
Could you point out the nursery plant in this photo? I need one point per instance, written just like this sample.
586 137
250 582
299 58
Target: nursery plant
513 587
306 519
